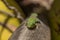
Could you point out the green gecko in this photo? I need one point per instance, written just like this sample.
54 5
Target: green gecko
32 20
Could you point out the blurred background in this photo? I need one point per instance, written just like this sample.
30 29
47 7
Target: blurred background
14 12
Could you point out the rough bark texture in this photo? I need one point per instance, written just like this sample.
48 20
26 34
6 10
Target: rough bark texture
41 32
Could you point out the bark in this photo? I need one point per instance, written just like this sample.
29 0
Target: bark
41 32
